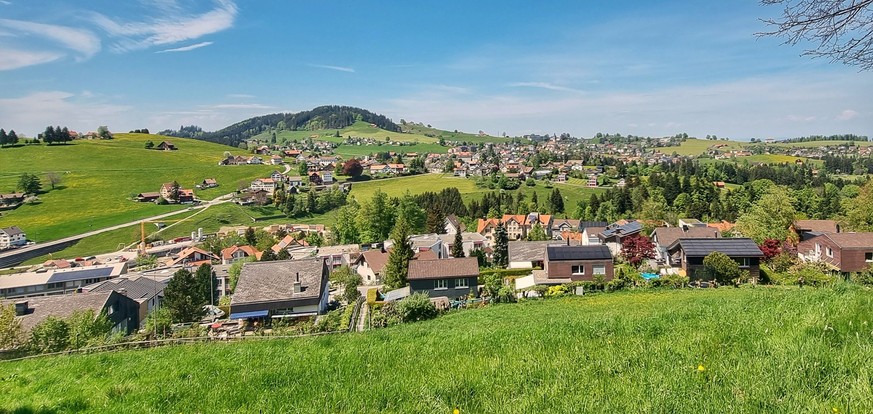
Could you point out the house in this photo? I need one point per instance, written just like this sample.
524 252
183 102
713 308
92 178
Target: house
663 237
807 229
58 280
471 241
326 177
561 225
254 160
578 263
294 181
844 252
165 146
486 228
122 311
686 223
616 232
453 224
147 291
288 242
11 200
258 197
515 226
148 197
315 179
262 150
12 237
396 168
379 169
184 195
194 256
689 253
591 235
276 160
281 289
264 184
451 278
371 266
528 254
336 256
209 183
235 253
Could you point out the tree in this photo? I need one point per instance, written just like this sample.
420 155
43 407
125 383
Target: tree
206 284
349 280
637 248
771 248
10 329
859 215
269 256
11 137
303 169
501 246
481 257
397 267
149 145
769 217
353 168
87 328
458 246
3 137
53 178
29 184
174 192
51 335
250 237
414 215
720 267
416 307
345 231
183 298
843 31
103 132
537 233
556 202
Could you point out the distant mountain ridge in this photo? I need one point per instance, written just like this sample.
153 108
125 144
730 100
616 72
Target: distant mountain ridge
322 117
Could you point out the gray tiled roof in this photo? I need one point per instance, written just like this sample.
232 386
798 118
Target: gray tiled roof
443 268
138 287
734 247
530 251
12 231
274 281
59 306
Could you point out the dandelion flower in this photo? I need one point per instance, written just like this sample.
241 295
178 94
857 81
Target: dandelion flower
456 411
701 368
835 410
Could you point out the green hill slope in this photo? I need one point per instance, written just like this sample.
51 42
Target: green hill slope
702 351
99 177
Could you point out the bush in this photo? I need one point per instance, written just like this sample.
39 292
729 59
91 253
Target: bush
556 290
416 307
51 335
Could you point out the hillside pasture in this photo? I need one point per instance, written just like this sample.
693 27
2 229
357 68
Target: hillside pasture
693 146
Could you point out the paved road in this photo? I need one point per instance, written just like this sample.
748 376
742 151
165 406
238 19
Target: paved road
45 247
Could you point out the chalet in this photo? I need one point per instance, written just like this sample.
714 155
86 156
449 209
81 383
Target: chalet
451 278
235 253
184 195
689 253
264 184
486 228
371 266
12 237
262 150
844 252
209 183
11 200
194 256
276 160
808 229
453 225
166 146
292 153
281 289
122 311
515 226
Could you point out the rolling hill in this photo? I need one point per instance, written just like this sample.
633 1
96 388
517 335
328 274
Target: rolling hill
761 349
98 178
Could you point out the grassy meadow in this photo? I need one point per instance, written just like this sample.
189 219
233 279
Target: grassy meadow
764 349
694 146
98 178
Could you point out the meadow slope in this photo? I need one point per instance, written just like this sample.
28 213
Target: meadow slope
691 351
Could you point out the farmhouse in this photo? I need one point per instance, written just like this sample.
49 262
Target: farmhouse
194 256
451 278
209 183
264 184
844 252
689 253
148 197
12 237
166 146
234 254
278 289
11 200
185 195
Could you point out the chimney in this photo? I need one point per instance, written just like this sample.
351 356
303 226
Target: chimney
123 291
21 308
297 287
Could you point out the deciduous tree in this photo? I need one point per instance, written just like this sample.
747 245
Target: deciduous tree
637 248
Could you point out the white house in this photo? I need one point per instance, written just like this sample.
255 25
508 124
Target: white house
12 237
266 184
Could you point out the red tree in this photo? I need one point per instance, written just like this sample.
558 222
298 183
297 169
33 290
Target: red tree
353 168
771 248
637 248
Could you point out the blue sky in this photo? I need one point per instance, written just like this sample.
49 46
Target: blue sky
635 67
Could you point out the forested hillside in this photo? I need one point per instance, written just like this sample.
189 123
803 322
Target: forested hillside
322 117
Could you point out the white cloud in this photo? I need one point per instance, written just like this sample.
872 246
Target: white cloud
14 59
168 29
241 96
31 113
847 115
545 85
338 68
83 42
186 48
5 2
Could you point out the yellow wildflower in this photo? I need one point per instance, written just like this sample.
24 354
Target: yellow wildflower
701 368
456 411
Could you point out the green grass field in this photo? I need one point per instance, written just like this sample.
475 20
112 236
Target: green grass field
451 136
99 177
693 146
773 350
349 151
816 144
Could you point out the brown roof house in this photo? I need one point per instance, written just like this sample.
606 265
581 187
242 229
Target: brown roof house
371 266
807 229
690 254
451 278
844 252
279 289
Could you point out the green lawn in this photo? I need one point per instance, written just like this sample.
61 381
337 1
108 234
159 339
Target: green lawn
773 350
816 144
349 151
99 177
451 136
693 146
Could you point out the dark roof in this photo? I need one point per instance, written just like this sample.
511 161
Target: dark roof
453 219
529 251
557 253
12 231
443 268
59 306
138 287
274 281
586 224
734 247
630 227
70 275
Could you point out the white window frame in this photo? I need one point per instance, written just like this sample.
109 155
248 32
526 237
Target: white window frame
461 283
440 284
829 252
577 269
595 270
868 257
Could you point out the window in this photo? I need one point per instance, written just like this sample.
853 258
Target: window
868 257
578 270
600 270
743 261
111 309
461 283
440 284
830 252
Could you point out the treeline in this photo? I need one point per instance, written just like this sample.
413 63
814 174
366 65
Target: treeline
847 165
10 138
314 202
323 117
55 135
840 137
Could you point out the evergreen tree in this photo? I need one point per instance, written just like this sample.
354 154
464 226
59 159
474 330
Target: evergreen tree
501 246
537 233
3 137
251 240
49 135
458 246
436 221
556 202
397 267
206 284
29 184
11 137
269 255
183 298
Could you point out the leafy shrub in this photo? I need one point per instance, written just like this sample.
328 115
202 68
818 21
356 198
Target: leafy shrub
51 335
416 307
557 290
